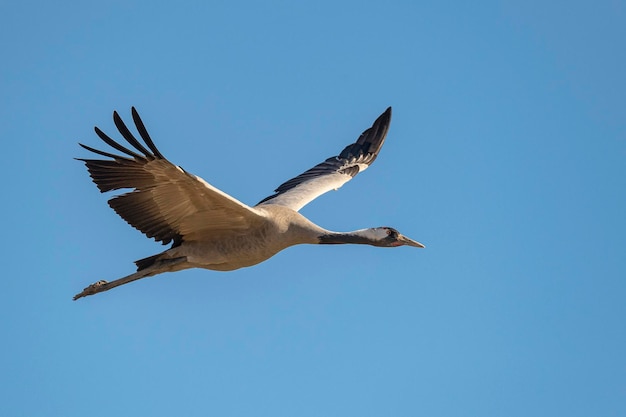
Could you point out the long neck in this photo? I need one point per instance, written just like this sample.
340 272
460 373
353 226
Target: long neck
360 237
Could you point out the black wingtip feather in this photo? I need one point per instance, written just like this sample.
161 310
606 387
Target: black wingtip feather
371 140
103 153
115 145
121 127
143 132
150 154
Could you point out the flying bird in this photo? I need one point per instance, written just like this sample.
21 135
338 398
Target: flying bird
207 227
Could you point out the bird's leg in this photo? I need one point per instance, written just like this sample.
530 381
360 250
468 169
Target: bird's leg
103 285
165 265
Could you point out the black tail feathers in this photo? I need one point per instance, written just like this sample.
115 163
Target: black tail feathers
147 262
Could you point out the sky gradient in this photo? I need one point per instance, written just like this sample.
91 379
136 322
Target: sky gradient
506 157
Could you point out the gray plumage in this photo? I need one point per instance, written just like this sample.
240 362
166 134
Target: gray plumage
207 227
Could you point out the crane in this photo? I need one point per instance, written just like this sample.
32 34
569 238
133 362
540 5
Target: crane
208 228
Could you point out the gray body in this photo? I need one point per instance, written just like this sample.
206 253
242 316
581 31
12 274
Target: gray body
282 228
210 229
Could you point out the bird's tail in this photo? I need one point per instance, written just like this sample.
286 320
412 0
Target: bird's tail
147 262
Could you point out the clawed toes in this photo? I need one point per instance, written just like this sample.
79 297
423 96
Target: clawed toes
92 289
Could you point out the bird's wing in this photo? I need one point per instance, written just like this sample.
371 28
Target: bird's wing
166 202
335 171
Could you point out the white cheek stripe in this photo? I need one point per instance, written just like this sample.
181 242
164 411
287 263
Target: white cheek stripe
373 234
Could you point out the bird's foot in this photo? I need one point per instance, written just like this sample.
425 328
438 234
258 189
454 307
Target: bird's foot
94 288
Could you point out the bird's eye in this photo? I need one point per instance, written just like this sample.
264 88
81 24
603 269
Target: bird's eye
388 232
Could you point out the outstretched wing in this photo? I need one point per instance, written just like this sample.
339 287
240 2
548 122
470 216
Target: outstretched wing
166 202
335 171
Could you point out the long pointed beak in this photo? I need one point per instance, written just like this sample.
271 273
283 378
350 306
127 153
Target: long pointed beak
410 242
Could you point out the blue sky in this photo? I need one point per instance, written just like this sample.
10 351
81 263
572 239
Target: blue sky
506 157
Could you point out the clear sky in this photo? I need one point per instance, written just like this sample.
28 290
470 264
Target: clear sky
506 157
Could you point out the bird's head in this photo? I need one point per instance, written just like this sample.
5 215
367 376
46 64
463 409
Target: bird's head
389 237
